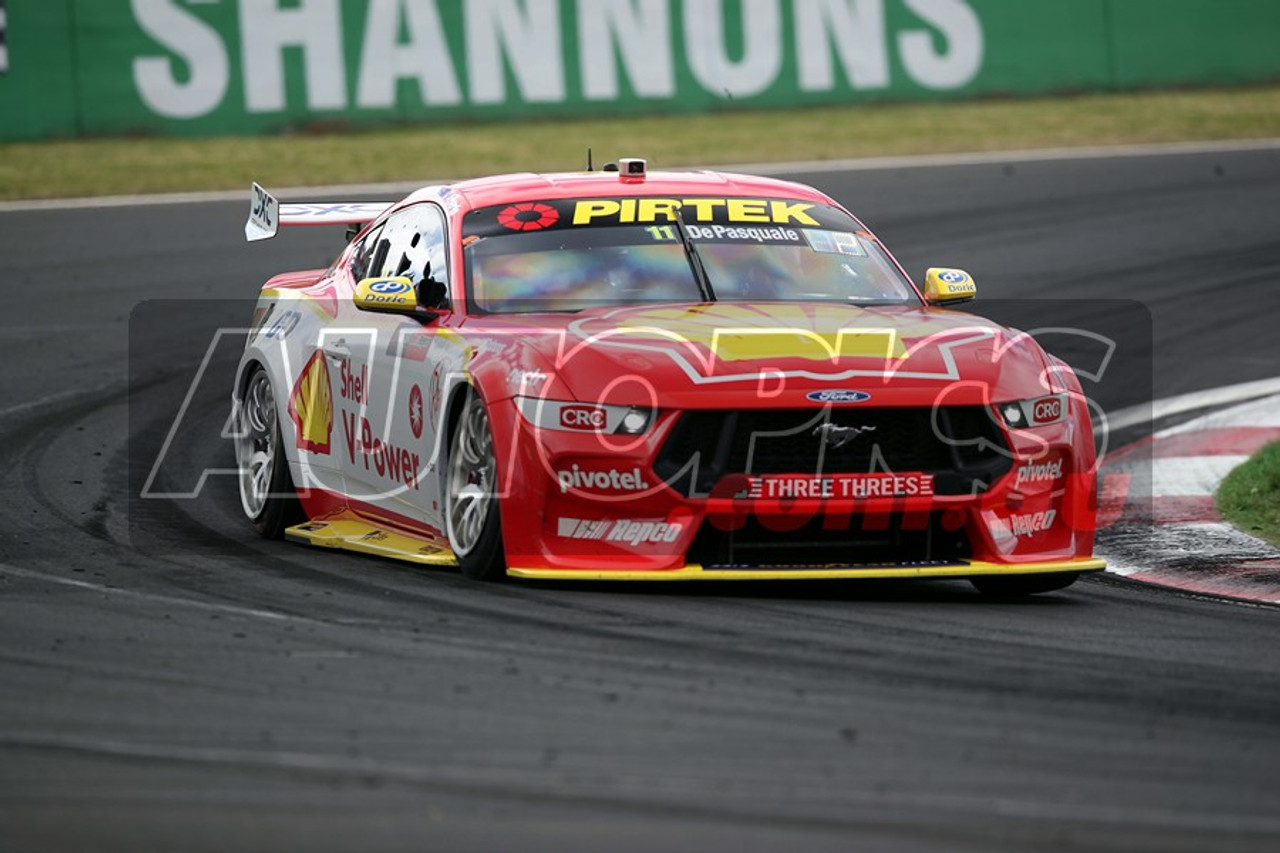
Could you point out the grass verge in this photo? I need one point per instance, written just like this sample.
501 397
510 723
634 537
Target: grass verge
1249 497
419 154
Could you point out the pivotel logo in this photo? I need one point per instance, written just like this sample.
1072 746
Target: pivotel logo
622 481
1042 473
585 418
837 395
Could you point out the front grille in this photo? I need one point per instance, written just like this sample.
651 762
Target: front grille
960 445
859 540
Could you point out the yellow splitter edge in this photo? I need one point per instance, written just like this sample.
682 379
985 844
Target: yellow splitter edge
365 538
695 572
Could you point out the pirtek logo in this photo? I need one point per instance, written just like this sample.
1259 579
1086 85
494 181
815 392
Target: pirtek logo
623 481
746 210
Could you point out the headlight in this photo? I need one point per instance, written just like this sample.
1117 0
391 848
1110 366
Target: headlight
570 416
1042 411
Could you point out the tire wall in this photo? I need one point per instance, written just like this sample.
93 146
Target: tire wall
213 67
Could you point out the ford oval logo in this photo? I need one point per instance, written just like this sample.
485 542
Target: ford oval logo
838 396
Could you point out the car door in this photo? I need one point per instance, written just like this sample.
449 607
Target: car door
389 431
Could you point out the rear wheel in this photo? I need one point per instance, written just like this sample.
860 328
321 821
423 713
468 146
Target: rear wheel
267 494
471 502
1017 585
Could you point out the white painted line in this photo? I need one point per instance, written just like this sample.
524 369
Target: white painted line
866 164
46 401
1157 409
1190 476
14 571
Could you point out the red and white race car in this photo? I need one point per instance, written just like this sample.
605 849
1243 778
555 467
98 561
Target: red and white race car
619 375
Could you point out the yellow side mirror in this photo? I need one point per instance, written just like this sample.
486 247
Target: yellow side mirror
945 285
396 295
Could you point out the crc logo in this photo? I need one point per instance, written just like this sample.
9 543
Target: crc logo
586 418
1046 410
388 287
838 396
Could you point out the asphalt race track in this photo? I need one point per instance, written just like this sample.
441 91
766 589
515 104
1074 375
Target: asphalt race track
170 682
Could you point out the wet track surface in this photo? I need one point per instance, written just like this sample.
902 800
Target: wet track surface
172 682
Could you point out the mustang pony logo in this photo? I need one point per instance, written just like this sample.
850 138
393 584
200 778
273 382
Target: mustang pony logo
837 436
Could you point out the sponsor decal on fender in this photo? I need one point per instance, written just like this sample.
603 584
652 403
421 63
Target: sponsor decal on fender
622 530
585 418
398 464
354 385
612 479
415 411
1046 410
311 406
1032 523
855 486
1038 473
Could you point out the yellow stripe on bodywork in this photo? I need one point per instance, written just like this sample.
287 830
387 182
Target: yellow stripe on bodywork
696 572
366 538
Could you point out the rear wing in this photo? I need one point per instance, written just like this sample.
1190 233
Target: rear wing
266 214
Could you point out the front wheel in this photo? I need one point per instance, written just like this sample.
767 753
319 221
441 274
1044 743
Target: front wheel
267 494
1018 585
470 499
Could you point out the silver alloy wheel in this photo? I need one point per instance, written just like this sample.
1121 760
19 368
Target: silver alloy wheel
255 442
469 490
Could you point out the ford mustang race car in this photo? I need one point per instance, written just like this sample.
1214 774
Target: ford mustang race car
625 375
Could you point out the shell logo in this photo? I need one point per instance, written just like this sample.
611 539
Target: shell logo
311 406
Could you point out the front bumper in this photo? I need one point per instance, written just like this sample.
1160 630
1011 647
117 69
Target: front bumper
961 569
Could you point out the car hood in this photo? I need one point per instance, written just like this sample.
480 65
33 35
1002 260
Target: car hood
771 355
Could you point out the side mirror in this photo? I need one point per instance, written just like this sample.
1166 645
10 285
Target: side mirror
432 294
945 286
387 295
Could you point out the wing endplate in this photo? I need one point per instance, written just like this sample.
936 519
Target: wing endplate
267 214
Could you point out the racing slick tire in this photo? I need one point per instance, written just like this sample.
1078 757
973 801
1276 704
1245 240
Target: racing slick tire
471 514
1007 586
267 493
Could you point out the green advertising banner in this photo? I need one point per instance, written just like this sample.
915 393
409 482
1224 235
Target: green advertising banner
95 67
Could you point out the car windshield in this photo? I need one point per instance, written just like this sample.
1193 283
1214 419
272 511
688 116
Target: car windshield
578 254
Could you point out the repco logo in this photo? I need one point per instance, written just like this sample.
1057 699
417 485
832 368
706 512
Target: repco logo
1046 410
585 418
1032 523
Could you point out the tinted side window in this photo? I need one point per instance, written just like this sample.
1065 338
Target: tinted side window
414 241
364 257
